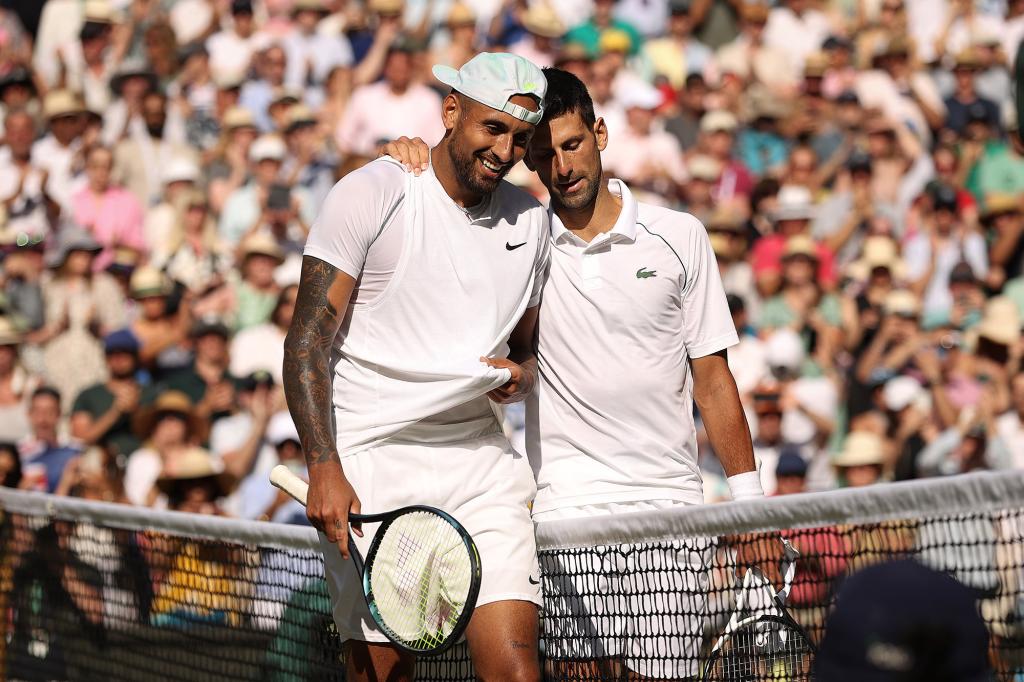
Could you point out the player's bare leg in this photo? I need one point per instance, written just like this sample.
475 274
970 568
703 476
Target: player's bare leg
502 640
377 662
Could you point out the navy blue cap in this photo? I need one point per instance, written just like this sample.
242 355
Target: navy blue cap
790 463
900 621
121 341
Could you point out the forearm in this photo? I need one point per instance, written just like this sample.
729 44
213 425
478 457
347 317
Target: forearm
726 425
238 462
91 434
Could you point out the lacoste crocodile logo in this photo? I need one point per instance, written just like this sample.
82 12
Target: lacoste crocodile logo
644 273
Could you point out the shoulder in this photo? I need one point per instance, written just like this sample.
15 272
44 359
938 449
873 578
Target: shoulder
381 181
675 227
514 200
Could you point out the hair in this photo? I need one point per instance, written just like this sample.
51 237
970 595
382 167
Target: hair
281 299
47 391
13 477
567 95
91 30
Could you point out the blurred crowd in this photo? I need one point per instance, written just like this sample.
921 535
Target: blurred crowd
161 162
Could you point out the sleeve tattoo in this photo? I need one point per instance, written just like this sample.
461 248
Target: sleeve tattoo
307 355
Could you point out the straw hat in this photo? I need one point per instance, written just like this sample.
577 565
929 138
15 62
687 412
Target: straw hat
815 65
861 448
704 167
902 303
541 20
261 244
1000 321
878 252
460 14
61 103
615 40
132 68
147 281
238 117
308 6
968 58
298 116
718 120
800 245
98 12
194 465
998 204
169 402
9 333
386 6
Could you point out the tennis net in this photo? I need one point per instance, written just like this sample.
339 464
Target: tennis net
100 591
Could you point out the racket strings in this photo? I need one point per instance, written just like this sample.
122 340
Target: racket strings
420 579
764 651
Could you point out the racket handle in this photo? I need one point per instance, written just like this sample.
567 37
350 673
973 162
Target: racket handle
282 477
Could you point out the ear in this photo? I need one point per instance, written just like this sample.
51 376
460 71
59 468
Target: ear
601 134
450 110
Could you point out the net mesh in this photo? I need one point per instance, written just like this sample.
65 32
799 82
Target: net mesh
94 591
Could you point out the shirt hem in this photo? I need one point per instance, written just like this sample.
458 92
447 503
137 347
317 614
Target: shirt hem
645 495
329 258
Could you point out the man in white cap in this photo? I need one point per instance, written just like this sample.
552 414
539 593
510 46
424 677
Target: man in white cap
437 279
633 290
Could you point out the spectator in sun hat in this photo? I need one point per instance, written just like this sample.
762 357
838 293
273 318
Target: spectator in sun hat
16 382
56 152
808 400
718 138
18 91
932 253
543 31
751 59
697 197
256 293
22 181
997 168
800 303
228 169
193 254
1001 216
244 207
232 49
792 216
965 95
589 34
179 174
462 44
21 287
82 305
900 620
161 330
641 154
760 145
260 499
862 459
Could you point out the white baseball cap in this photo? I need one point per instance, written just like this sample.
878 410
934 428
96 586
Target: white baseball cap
181 169
493 78
267 147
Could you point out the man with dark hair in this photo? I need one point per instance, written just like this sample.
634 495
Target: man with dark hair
44 454
624 275
437 280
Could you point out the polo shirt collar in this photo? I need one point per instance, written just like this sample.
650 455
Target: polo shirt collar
624 228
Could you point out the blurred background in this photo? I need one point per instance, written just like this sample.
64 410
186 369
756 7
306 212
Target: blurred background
161 163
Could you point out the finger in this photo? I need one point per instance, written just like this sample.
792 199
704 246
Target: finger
341 536
355 508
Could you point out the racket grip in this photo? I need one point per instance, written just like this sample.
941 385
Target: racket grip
282 477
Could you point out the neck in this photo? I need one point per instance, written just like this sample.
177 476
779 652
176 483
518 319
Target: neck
397 89
444 169
597 218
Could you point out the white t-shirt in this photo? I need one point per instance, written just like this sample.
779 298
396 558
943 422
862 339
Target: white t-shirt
612 417
1010 428
438 287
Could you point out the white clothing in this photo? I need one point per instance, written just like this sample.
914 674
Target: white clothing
815 394
259 347
917 255
877 90
409 357
748 362
376 114
140 475
611 419
27 213
59 24
1010 428
229 433
321 52
797 36
631 155
189 19
56 160
481 482
231 54
645 604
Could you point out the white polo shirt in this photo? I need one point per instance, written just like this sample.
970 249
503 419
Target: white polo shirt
612 417
437 288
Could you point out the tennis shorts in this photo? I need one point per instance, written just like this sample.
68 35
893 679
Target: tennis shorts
641 604
481 482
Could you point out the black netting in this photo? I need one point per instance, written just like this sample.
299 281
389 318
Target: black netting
84 601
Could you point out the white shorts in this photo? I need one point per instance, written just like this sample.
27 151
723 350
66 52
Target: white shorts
643 604
481 482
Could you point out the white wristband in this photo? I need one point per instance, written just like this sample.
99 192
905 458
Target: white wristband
745 486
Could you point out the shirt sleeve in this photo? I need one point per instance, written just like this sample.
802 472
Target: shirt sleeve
540 268
707 324
354 213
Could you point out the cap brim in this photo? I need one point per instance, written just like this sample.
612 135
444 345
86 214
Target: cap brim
446 75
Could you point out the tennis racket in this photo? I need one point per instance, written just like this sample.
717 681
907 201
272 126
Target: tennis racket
421 575
762 642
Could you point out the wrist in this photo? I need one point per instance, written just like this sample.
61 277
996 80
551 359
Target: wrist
745 486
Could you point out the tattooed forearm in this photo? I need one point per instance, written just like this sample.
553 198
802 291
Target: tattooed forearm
307 354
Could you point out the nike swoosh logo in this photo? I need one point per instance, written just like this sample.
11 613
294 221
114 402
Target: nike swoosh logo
513 247
532 581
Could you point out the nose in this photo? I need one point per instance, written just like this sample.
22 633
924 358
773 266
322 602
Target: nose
502 149
562 164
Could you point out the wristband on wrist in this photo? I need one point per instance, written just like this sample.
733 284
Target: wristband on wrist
745 486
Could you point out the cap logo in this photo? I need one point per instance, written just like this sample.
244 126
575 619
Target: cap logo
889 657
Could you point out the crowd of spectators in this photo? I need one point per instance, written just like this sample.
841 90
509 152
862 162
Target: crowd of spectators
161 163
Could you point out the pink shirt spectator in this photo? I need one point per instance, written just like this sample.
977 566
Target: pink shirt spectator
767 257
375 113
114 219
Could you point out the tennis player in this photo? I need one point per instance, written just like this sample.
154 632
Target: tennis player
416 308
634 327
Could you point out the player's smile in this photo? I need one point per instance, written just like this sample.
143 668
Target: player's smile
493 169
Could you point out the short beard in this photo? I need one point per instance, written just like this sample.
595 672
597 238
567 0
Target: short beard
582 199
465 170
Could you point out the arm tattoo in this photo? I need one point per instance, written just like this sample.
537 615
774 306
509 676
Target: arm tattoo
307 354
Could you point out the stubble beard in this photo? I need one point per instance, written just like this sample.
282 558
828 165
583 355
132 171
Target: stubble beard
464 165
